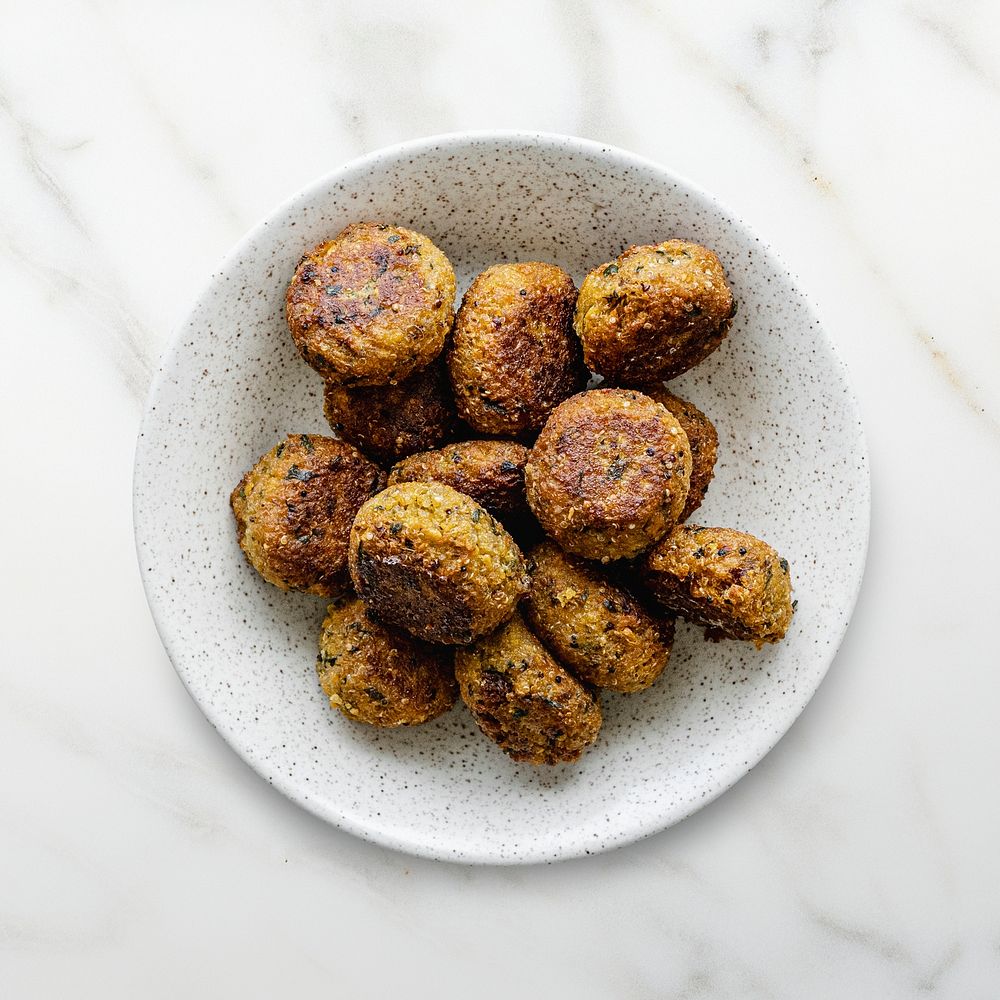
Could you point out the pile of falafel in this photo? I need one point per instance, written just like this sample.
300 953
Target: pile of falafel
485 527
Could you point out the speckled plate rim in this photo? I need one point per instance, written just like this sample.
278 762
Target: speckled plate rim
648 822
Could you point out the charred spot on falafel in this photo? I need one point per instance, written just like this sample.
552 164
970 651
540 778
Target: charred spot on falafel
653 312
513 355
609 474
371 306
592 625
295 507
390 422
378 675
491 472
428 559
525 701
734 584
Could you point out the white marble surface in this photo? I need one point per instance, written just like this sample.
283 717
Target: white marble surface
138 856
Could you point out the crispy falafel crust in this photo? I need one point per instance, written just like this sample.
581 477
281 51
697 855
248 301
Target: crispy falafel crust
371 306
294 511
734 584
378 675
702 437
653 312
491 472
513 355
523 700
609 474
429 559
595 627
390 422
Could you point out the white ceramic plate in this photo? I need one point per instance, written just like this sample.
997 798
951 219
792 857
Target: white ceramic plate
792 469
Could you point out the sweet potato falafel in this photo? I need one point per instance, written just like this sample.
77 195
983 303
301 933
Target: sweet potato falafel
702 437
426 558
389 422
295 507
513 356
371 306
609 474
653 312
491 472
378 675
735 585
525 701
592 625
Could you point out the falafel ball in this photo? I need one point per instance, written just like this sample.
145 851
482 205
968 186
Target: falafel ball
426 558
294 511
735 585
609 474
523 700
389 422
371 306
513 356
491 472
378 675
702 437
593 626
653 312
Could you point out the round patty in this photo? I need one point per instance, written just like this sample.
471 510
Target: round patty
513 356
653 312
428 559
732 583
701 436
380 676
608 475
491 472
389 422
371 306
596 628
294 511
523 700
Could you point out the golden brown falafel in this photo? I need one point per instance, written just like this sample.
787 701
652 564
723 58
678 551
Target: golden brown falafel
389 422
593 626
702 437
426 558
523 700
294 511
732 583
653 312
491 472
380 676
609 473
371 306
513 356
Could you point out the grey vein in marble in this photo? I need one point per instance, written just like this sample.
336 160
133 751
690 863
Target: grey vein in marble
105 308
948 35
30 139
185 151
875 941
